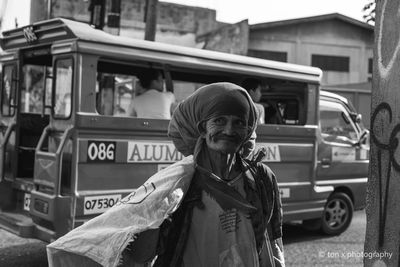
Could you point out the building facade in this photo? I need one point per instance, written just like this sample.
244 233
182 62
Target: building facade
341 46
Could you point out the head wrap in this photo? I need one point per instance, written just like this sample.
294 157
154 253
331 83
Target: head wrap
205 103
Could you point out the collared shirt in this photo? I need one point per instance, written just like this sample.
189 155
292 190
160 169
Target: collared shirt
260 113
153 104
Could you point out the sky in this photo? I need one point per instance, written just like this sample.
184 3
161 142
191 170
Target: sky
258 11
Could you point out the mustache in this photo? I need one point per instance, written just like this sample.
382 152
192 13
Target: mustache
233 138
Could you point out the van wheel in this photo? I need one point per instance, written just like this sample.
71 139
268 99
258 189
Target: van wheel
337 214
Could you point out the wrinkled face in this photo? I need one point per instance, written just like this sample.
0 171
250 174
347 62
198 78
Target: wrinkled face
225 133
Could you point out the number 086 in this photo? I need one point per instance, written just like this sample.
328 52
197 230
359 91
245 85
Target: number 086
101 151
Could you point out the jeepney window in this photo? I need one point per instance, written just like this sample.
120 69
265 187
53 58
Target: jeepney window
336 124
183 89
8 95
186 81
115 92
63 88
36 88
284 102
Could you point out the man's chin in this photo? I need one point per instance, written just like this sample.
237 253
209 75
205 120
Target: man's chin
227 150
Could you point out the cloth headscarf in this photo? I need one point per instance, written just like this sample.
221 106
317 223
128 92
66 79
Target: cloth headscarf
205 103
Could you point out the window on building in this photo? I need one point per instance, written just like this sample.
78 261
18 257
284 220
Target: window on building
370 66
331 63
271 55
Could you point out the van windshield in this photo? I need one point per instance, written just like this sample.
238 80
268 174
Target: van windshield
336 124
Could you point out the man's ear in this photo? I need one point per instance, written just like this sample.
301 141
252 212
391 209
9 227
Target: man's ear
201 127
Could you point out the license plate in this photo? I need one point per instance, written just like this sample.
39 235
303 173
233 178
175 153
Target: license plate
27 201
99 204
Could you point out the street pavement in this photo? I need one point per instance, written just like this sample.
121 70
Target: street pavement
302 248
306 248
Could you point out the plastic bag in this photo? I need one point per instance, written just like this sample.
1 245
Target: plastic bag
102 240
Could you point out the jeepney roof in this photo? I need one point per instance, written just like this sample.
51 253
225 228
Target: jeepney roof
56 30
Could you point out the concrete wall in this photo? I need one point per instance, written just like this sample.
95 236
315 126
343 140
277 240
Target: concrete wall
229 39
330 37
176 24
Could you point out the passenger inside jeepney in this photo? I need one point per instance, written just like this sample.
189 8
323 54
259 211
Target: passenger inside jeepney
267 112
154 102
253 87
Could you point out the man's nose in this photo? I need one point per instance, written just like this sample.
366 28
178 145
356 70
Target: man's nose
229 129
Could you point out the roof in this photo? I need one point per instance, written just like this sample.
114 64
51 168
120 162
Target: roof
333 95
319 18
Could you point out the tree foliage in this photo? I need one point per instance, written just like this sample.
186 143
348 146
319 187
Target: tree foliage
369 11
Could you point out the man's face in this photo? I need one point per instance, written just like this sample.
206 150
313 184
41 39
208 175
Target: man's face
159 84
256 94
225 133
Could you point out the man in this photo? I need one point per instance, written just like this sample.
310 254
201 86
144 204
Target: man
228 210
253 87
154 103
213 208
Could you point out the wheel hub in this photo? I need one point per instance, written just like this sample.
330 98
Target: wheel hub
336 213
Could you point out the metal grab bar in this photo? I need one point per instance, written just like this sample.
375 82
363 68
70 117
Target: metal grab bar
3 145
45 133
66 135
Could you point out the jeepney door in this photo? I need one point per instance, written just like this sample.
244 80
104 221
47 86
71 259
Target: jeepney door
8 121
342 160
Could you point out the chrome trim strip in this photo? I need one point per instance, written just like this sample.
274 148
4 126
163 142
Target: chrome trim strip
293 184
343 181
365 161
285 144
303 211
103 192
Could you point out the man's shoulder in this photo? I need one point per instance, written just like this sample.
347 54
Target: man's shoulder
261 170
169 95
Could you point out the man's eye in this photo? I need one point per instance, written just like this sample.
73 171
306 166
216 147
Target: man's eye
240 123
219 121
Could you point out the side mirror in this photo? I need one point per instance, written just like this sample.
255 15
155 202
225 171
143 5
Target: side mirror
356 117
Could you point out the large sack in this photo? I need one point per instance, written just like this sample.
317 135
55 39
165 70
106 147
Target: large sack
102 240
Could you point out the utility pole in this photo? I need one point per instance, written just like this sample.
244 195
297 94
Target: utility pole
382 239
49 8
150 18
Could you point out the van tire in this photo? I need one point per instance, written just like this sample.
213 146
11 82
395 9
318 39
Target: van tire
337 215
